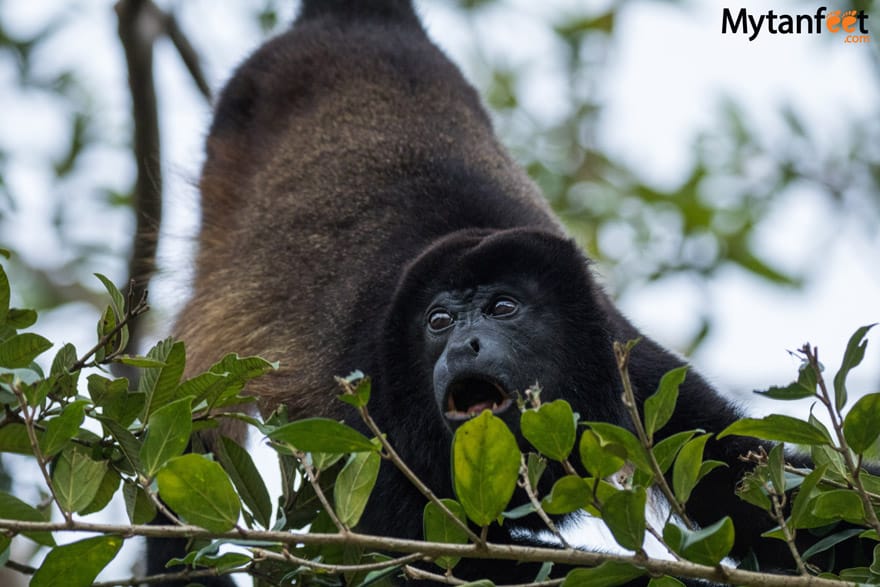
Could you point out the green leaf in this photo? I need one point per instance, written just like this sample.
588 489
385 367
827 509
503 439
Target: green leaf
875 562
659 407
667 449
518 512
706 546
665 452
159 384
138 505
117 300
243 368
13 508
624 514
18 318
857 575
115 401
20 349
14 438
439 528
116 338
862 424
686 472
599 457
207 387
608 574
569 494
61 428
4 296
324 460
200 491
833 460
77 478
799 508
129 445
818 425
776 427
752 488
485 467
635 452
354 485
322 435
77 564
246 478
829 541
805 386
168 432
855 352
776 467
535 467
665 581
106 490
551 429
839 504
208 557
140 362
361 395
64 381
238 371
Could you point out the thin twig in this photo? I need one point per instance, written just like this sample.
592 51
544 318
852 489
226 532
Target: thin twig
621 352
418 574
824 396
423 575
778 513
42 463
168 577
130 314
160 505
286 556
398 462
313 480
187 53
533 497
753 458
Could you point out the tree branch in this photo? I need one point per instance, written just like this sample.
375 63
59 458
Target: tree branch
493 551
138 28
187 53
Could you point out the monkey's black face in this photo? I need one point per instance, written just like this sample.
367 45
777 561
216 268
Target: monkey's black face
486 345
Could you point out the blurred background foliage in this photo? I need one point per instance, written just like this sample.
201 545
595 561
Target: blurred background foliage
637 230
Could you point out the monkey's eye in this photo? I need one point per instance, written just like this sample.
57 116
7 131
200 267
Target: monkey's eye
439 320
503 307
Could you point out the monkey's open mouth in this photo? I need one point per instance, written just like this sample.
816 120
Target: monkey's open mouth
469 396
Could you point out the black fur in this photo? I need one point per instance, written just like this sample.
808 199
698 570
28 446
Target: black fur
352 177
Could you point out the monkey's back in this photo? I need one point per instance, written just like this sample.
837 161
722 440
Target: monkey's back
338 152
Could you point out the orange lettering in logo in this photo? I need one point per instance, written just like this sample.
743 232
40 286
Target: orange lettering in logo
833 21
849 21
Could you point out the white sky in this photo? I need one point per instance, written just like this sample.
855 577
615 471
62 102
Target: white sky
671 65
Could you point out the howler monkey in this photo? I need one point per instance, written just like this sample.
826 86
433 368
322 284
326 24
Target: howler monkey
359 213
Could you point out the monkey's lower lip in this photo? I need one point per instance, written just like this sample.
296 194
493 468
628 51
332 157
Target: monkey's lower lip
467 397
